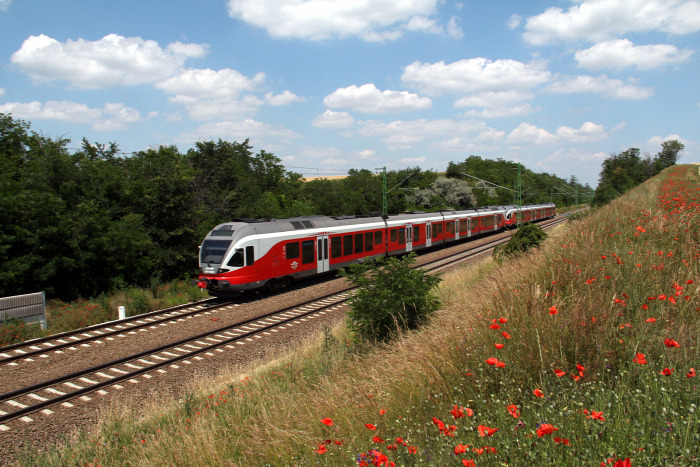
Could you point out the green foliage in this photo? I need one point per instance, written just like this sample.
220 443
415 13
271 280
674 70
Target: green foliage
391 296
528 236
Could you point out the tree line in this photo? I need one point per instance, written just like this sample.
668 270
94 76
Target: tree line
81 222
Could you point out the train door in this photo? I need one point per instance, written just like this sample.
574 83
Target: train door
495 222
428 234
469 226
323 263
409 238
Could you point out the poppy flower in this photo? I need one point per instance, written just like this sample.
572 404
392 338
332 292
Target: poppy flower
596 415
538 393
671 343
545 429
486 431
495 326
666 371
321 448
457 412
382 411
492 360
412 450
377 439
470 412
327 421
650 320
640 358
370 426
468 462
691 373
559 372
560 440
513 410
460 449
553 310
498 346
501 365
506 335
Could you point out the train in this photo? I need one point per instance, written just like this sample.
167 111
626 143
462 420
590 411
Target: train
253 254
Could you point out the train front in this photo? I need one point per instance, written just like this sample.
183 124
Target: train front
226 260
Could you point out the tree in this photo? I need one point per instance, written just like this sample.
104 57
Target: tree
669 154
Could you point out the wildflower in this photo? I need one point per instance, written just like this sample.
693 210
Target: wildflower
650 320
691 373
412 450
377 439
505 334
666 371
460 449
468 462
327 421
580 369
495 326
498 346
382 411
513 410
553 310
596 415
559 372
538 393
457 412
370 426
545 429
671 343
501 365
321 448
560 440
486 431
640 358
491 360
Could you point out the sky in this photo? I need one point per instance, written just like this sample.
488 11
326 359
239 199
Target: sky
333 85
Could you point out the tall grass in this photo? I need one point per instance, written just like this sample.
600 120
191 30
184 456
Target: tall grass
581 353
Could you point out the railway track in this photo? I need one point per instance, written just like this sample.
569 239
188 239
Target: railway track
39 397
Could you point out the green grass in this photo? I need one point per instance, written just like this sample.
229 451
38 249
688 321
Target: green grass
580 306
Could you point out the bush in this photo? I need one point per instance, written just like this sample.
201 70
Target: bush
527 236
391 296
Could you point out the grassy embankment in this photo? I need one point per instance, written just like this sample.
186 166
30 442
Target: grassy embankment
578 354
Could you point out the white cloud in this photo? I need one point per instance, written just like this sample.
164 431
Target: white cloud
653 146
286 98
622 53
613 88
370 20
596 20
5 4
239 130
497 104
368 99
111 61
529 134
331 120
2 91
454 30
113 116
474 75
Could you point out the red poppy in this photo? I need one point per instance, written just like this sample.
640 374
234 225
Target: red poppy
560 440
640 358
382 411
513 410
327 421
495 326
502 320
457 412
559 372
370 426
666 371
580 369
538 393
650 320
377 439
486 431
506 335
412 450
460 449
321 448
596 415
501 365
691 373
468 462
671 343
491 360
545 429
553 310
498 346
470 412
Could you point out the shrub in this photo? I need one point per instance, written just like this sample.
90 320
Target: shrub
391 296
527 236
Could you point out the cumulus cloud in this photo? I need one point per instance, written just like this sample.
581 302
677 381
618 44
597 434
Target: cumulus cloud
111 61
529 134
330 120
613 88
474 75
497 104
596 20
113 116
239 130
622 53
286 98
370 20
368 99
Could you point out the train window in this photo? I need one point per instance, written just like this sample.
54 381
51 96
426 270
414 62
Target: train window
450 227
378 237
292 250
249 255
416 233
402 236
213 251
336 247
368 242
236 260
393 235
347 245
307 252
439 227
435 230
359 244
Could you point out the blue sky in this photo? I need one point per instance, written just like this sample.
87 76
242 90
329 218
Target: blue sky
330 85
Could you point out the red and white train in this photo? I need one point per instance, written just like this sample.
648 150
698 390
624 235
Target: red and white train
251 254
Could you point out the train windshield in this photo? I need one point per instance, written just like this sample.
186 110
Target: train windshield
213 251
